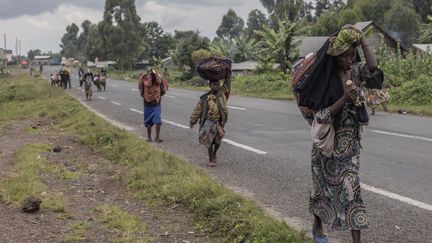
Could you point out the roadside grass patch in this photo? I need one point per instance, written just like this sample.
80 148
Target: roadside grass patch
24 180
78 232
128 227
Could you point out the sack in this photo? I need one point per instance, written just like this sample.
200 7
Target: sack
363 116
376 80
323 136
207 133
214 68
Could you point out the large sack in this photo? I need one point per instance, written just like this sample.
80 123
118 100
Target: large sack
214 68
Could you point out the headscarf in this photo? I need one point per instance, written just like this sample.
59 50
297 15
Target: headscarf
322 87
341 43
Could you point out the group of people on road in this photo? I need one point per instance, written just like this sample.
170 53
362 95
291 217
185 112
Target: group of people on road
61 78
329 90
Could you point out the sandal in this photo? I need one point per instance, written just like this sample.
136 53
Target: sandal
211 164
319 238
158 140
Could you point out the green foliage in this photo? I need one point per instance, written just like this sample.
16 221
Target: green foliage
245 48
70 45
417 91
159 42
280 45
272 85
32 53
402 22
231 26
255 22
187 43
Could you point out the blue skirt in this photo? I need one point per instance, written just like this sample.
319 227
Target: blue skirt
152 115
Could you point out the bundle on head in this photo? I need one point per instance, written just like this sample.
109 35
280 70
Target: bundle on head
214 68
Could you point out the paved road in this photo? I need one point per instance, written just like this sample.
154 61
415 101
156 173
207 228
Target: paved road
267 158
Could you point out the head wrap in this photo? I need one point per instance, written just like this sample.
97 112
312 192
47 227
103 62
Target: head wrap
345 39
322 86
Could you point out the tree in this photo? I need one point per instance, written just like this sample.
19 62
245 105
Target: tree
255 22
120 28
326 24
82 40
284 9
374 9
158 42
245 48
281 44
231 26
32 53
225 48
321 6
70 46
423 8
187 43
402 22
426 32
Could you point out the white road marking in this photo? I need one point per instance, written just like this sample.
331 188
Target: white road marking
137 111
246 147
403 135
114 85
395 196
116 103
170 96
102 98
236 108
228 141
175 124
134 89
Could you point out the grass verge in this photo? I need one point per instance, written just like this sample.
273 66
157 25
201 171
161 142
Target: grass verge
154 175
24 180
128 227
78 232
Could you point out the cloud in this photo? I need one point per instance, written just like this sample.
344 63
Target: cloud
42 27
10 9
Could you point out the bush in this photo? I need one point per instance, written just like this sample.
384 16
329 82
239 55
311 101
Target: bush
274 85
414 92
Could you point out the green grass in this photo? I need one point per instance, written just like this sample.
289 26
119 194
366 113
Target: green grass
24 180
155 176
78 232
128 227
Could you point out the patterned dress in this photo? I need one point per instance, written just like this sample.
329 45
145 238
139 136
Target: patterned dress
336 196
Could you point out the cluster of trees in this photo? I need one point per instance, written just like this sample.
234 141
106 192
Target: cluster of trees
269 37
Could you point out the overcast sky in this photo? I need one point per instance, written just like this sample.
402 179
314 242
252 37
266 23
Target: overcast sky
40 24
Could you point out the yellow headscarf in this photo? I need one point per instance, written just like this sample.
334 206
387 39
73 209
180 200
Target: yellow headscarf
345 39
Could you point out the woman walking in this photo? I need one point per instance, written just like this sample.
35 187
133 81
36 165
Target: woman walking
335 109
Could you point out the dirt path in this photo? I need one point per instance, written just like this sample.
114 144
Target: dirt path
86 182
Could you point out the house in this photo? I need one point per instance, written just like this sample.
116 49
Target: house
243 68
375 37
6 55
421 49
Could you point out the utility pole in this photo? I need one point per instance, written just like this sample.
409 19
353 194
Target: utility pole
5 53
16 51
19 51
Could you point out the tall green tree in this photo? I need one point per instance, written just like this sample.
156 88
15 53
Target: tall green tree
291 10
245 48
232 25
402 22
225 48
423 8
281 44
255 22
426 32
82 40
374 9
69 42
158 41
120 28
321 6
187 43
